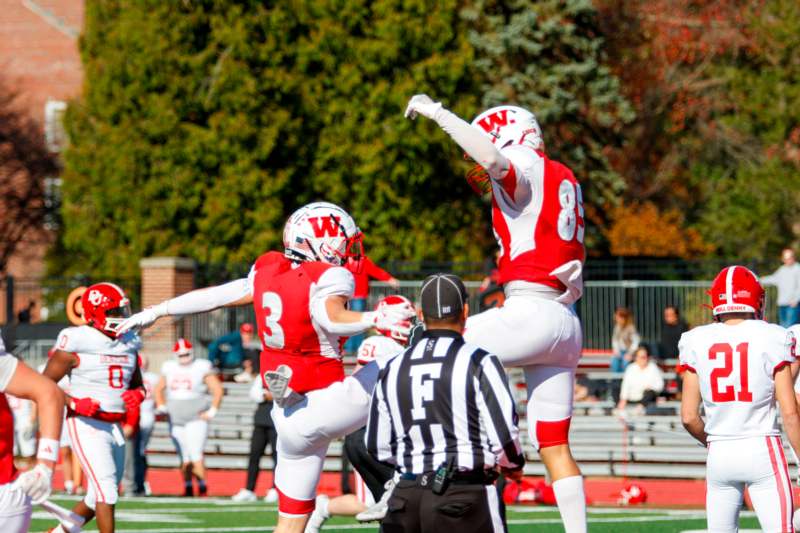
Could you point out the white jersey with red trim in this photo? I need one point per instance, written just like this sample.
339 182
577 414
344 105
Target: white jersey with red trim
186 382
736 365
537 217
378 348
147 409
105 365
796 331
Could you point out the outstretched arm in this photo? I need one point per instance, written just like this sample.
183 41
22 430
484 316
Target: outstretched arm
475 144
197 301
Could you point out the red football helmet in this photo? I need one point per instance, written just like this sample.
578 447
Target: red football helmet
105 307
737 290
395 299
632 494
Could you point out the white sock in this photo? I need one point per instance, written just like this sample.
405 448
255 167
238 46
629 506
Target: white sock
571 501
69 485
59 529
322 505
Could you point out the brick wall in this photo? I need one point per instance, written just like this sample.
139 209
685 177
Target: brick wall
164 278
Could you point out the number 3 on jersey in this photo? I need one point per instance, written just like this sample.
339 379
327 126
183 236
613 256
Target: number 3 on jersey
728 394
273 310
570 218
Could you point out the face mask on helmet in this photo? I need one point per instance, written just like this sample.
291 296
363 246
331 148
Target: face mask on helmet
105 307
183 351
322 232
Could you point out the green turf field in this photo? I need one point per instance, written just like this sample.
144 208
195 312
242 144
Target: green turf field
177 515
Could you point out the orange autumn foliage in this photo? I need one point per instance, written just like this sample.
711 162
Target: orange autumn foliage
643 230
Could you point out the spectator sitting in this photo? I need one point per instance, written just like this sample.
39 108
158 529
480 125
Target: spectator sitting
642 382
671 331
624 340
787 280
231 352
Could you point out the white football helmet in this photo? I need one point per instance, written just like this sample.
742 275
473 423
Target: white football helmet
508 124
322 231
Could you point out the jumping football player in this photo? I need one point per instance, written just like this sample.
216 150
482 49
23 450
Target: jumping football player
740 366
105 383
537 217
373 480
300 299
33 486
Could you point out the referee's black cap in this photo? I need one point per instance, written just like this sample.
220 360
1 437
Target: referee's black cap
442 296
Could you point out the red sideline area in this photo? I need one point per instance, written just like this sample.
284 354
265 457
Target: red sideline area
600 491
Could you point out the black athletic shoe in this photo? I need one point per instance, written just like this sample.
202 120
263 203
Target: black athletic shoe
202 490
187 491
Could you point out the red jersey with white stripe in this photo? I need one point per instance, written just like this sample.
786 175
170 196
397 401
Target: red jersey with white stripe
7 470
736 365
537 217
186 382
105 366
286 296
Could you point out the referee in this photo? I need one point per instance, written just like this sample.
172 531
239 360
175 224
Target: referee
443 416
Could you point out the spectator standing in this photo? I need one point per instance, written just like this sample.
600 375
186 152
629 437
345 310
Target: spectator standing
671 330
364 270
642 382
624 340
446 439
787 280
236 349
263 434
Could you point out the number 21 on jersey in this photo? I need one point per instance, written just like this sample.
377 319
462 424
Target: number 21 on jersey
730 393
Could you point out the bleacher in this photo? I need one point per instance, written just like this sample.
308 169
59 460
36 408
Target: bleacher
647 446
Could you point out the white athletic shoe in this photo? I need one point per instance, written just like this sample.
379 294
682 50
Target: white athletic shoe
271 497
378 510
319 516
244 495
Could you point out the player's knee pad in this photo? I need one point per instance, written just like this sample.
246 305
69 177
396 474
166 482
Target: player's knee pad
290 507
546 434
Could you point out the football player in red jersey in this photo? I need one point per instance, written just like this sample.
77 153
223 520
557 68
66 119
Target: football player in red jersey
537 218
33 486
300 299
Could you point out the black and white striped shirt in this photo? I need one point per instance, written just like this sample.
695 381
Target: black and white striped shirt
439 399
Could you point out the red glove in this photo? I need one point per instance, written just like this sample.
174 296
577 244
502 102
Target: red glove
84 406
133 397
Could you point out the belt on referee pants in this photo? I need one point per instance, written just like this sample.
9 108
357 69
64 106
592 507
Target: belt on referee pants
471 477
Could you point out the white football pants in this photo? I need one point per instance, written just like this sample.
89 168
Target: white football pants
100 448
543 337
306 429
15 510
757 463
190 440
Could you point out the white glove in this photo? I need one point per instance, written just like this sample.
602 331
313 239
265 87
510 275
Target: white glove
421 104
394 317
35 483
143 319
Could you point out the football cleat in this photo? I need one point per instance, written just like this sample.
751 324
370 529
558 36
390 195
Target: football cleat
378 510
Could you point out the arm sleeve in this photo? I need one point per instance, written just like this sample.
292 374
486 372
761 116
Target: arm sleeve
203 300
656 379
474 143
374 271
625 388
498 416
379 435
335 281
